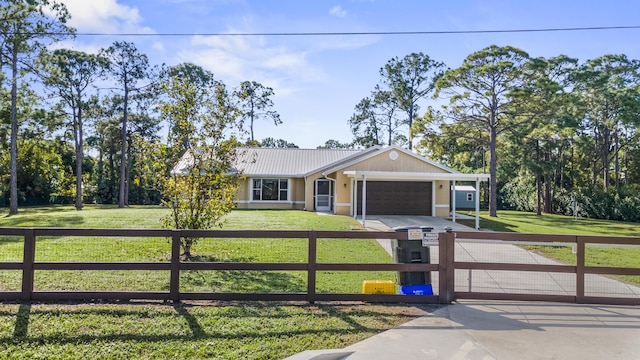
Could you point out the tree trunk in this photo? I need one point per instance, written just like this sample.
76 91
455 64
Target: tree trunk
617 159
123 155
77 130
13 188
410 125
493 166
251 117
606 177
538 194
548 208
538 181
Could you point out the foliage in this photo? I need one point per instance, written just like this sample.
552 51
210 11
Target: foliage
482 103
611 204
375 121
255 102
409 79
129 68
277 143
200 191
335 144
26 28
71 76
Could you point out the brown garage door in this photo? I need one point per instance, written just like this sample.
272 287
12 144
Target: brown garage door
396 198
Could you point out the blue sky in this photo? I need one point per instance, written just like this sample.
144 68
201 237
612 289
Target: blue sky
319 80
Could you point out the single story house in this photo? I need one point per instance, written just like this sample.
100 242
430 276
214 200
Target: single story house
354 182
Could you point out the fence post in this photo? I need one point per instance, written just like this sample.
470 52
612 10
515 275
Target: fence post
311 267
580 253
174 285
29 254
446 270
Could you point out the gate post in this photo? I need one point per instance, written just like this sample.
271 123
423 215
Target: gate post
29 254
174 282
446 267
311 266
580 255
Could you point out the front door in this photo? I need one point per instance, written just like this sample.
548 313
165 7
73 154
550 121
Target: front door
323 195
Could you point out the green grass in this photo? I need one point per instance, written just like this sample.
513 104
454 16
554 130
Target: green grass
210 249
523 222
195 330
188 331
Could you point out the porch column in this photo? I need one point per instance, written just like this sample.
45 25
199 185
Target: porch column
477 203
353 195
453 201
433 198
364 200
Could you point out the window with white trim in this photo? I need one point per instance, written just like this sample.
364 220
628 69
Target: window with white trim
469 196
270 189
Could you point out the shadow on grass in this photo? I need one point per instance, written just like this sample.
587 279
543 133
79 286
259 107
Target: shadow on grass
353 317
45 221
256 281
488 224
21 328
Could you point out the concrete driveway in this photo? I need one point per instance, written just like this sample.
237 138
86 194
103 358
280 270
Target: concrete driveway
385 222
483 330
494 281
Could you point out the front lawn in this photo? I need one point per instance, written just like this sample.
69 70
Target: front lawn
195 330
55 249
189 331
523 222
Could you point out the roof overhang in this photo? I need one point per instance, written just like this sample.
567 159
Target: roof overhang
391 175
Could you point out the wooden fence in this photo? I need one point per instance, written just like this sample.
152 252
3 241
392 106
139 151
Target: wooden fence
446 266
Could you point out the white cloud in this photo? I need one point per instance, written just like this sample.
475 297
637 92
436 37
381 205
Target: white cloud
238 58
338 11
159 46
107 16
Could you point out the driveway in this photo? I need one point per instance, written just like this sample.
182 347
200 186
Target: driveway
385 222
494 281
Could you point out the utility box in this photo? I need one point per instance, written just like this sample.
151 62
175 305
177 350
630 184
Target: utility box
411 252
378 287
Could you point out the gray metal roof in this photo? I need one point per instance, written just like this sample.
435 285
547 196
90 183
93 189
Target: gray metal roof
289 162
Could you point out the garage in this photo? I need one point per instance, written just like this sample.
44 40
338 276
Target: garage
396 198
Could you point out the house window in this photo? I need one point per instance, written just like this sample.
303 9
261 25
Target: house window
469 196
270 189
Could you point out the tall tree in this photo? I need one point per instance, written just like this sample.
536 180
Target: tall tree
179 127
200 193
26 27
481 101
411 79
610 88
375 121
255 101
71 75
129 68
364 124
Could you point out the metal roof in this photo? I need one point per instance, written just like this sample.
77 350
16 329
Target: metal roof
289 162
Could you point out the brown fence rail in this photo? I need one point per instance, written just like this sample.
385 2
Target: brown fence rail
29 266
448 284
576 290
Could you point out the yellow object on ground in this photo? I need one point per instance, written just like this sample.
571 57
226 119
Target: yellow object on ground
378 287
